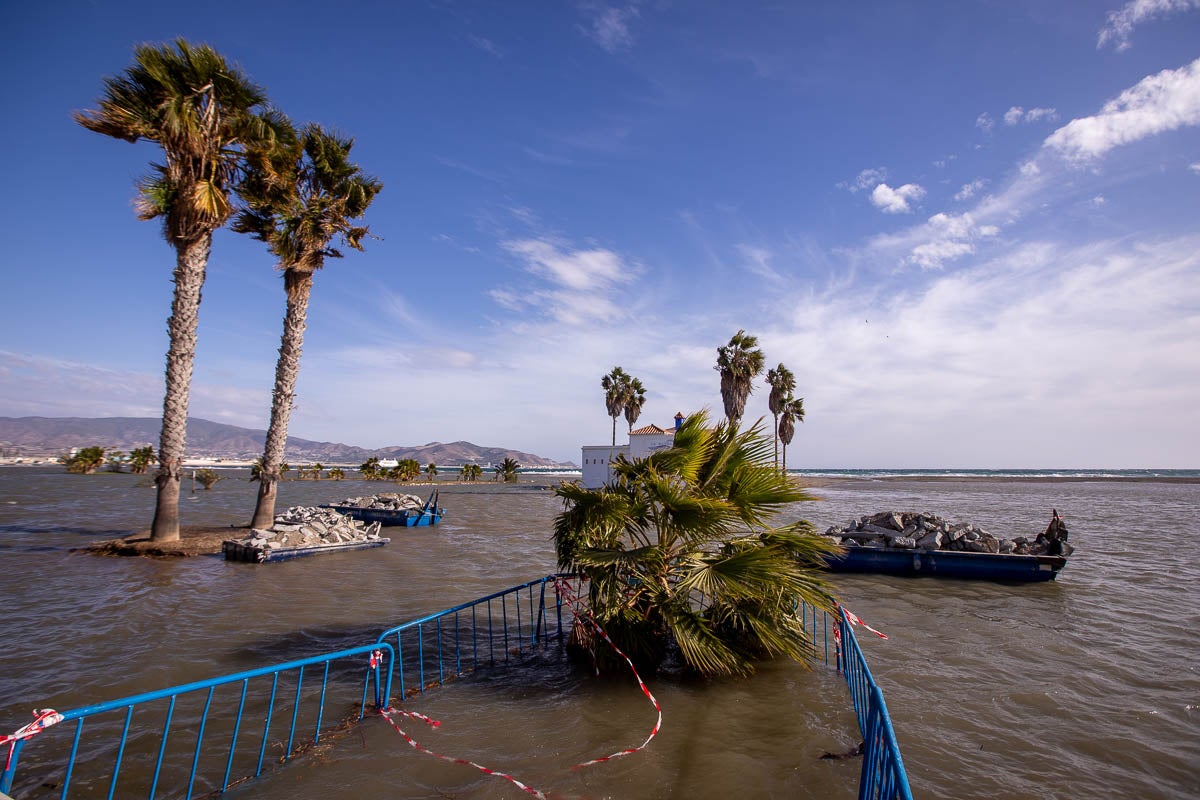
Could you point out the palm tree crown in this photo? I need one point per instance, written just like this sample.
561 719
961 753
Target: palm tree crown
739 362
616 394
203 113
679 556
634 400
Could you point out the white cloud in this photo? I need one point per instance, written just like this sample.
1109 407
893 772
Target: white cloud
1029 331
949 237
1030 169
1195 167
758 261
969 189
867 179
1098 200
985 122
1016 115
609 26
1120 23
896 201
581 282
1163 102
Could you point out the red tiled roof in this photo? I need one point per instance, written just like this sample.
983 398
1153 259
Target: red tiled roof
650 429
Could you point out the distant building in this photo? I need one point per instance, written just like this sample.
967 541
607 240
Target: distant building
598 458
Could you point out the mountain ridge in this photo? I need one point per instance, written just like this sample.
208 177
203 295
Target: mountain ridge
208 439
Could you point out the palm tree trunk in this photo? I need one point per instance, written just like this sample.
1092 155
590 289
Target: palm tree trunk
190 263
785 458
776 432
287 369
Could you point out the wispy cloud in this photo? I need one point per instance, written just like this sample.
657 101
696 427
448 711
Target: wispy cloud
32 385
985 122
1016 115
1119 24
578 283
1163 102
757 260
867 179
486 45
898 200
609 26
969 189
1195 167
487 175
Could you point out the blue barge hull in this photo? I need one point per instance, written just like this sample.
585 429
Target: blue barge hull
947 564
407 519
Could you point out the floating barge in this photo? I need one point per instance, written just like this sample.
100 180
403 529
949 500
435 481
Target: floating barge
429 514
947 564
238 551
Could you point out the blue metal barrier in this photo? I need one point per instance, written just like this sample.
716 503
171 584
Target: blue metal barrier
483 632
883 776
382 686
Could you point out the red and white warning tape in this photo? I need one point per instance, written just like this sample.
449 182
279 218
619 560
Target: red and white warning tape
856 620
42 719
387 713
575 604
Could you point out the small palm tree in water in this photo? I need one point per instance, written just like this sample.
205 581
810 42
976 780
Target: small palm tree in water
337 474
84 461
680 558
431 471
507 471
140 459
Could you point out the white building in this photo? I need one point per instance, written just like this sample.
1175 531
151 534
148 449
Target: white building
598 458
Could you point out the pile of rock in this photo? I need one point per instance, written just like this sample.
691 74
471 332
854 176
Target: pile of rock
908 530
387 501
302 528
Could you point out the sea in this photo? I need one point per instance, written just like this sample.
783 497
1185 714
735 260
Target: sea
1085 686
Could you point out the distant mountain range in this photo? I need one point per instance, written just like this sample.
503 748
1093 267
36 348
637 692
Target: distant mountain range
53 435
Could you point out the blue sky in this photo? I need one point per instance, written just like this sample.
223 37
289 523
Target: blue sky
970 229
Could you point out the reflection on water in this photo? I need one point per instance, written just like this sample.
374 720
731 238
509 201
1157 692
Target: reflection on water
1084 686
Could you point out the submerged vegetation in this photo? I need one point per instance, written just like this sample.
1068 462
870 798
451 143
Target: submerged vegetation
682 559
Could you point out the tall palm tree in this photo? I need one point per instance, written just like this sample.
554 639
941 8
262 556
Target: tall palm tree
791 412
739 362
301 195
782 383
431 471
634 401
616 394
680 556
203 113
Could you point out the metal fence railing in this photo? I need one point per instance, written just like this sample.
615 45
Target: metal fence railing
883 776
190 734
483 632
129 742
